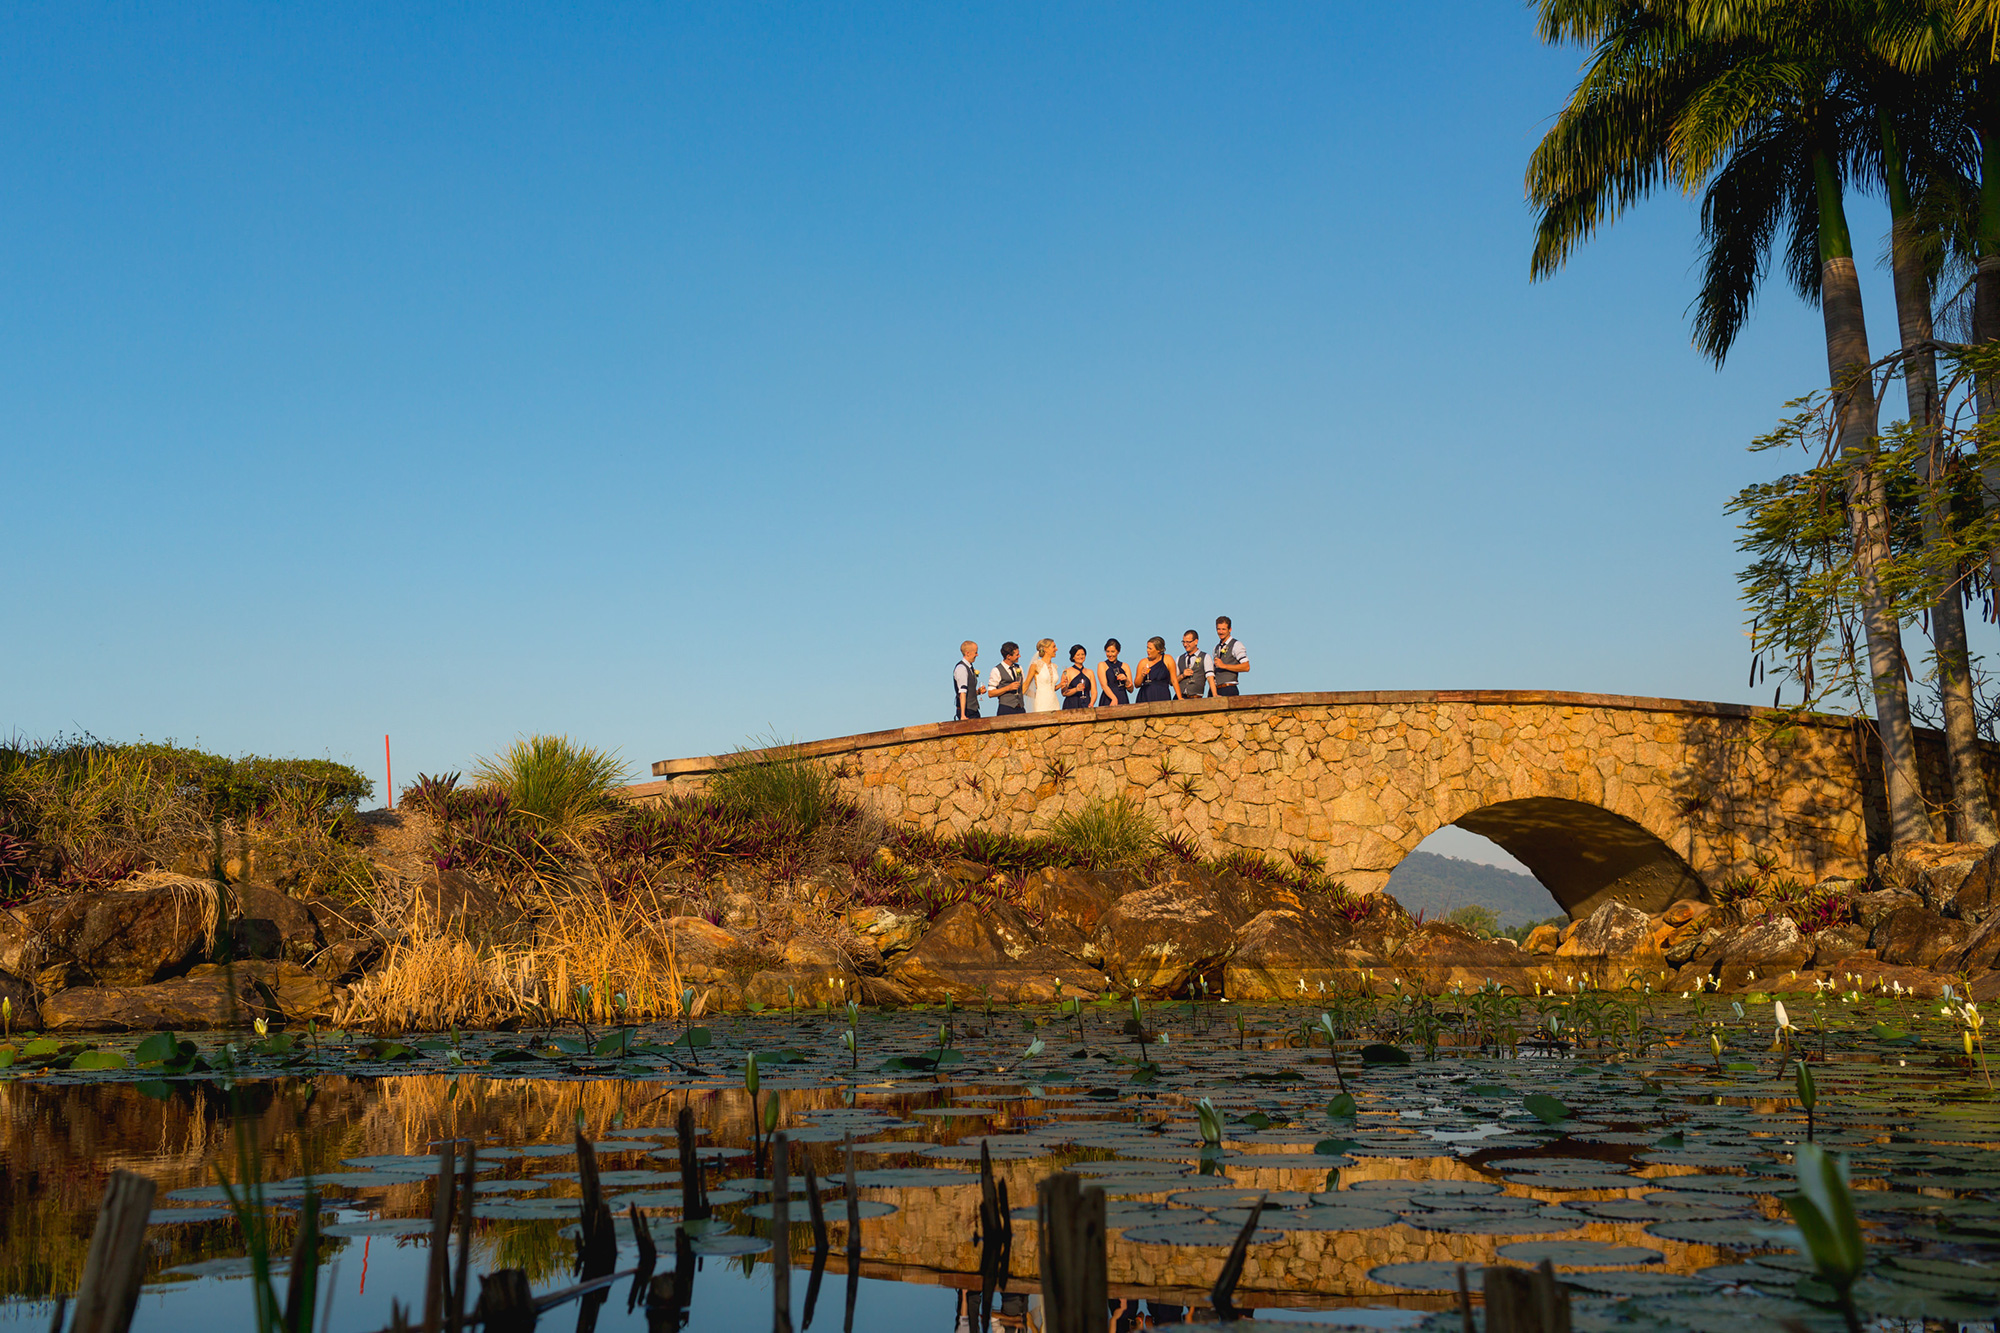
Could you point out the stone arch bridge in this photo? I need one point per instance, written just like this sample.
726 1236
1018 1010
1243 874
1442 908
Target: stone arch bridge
1604 797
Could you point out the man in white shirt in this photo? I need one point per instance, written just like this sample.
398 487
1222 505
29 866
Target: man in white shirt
965 681
1004 681
1192 667
1229 660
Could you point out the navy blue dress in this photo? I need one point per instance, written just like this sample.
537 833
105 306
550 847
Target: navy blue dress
1116 688
1156 685
1079 692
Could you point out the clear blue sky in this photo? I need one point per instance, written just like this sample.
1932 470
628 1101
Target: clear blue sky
667 375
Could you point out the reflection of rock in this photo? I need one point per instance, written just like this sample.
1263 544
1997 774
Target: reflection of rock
130 937
1155 941
970 951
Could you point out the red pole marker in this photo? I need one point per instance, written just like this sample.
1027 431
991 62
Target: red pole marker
388 777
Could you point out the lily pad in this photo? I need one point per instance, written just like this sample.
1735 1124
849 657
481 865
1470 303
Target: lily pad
1578 1253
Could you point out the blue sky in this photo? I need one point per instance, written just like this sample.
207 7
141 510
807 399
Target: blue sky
667 375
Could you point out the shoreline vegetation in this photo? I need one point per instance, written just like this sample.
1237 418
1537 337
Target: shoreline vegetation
154 886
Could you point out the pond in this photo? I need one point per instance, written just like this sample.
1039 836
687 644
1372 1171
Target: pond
1641 1144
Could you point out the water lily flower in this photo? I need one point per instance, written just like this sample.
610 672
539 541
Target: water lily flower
1784 1019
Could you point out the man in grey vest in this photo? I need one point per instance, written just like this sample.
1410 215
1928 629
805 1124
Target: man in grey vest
965 682
1229 660
1192 667
1004 682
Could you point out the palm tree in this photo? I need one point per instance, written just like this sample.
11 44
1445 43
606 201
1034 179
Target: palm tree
1750 99
1920 115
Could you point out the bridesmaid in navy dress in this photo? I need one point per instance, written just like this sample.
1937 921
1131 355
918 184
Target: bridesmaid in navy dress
1114 678
1156 676
1077 682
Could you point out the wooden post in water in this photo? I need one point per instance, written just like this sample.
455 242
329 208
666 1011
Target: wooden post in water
781 1238
506 1303
108 1291
1075 1289
440 1268
1521 1300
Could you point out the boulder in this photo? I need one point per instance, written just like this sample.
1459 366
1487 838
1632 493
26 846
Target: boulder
704 953
20 993
1981 950
285 990
1935 871
1915 936
1684 942
890 931
1838 942
1542 939
971 951
1979 894
809 987
1873 906
1155 941
189 1002
265 923
1686 910
133 937
21 930
1767 948
1275 952
1612 931
1077 897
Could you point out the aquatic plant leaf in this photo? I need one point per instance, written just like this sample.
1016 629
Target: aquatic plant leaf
173 1216
913 1177
389 1226
87 1060
797 1210
1423 1275
1342 1107
1545 1108
1381 1053
1470 1223
1578 1253
1203 1232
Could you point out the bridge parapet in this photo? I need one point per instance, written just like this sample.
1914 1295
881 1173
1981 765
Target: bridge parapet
1603 796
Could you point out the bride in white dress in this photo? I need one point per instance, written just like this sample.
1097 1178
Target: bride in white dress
1040 684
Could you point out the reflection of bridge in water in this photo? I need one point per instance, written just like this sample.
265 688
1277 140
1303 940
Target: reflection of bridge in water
1602 796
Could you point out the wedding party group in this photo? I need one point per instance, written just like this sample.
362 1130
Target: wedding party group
1045 685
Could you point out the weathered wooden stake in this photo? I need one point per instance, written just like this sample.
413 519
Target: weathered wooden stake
302 1289
459 1293
506 1302
648 1256
853 1196
1222 1294
781 1238
108 1291
440 1269
1075 1289
694 1199
1464 1302
597 1247
815 1209
1520 1300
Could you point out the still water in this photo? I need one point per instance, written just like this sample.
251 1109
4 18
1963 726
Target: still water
1647 1168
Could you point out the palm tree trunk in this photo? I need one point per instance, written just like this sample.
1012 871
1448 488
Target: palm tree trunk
1986 289
1847 366
1954 659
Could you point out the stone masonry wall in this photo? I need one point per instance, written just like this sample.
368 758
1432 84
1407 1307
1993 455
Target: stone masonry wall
1363 778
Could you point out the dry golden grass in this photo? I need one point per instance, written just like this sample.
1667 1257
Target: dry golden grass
585 958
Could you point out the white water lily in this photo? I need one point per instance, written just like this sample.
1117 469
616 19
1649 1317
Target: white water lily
1784 1019
262 1027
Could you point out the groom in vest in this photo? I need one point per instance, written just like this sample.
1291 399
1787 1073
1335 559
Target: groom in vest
1229 660
1004 683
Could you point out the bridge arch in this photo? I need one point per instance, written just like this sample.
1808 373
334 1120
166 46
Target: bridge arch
1585 855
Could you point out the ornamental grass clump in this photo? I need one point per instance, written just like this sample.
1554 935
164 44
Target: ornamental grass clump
1107 834
779 784
568 789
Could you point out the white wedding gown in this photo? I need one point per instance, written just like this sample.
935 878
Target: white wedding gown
1043 694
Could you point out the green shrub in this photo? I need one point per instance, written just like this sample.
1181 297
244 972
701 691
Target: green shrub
1481 921
1107 834
567 788
779 785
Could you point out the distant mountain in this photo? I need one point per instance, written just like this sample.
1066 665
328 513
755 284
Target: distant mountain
1435 884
